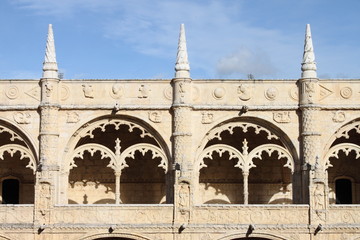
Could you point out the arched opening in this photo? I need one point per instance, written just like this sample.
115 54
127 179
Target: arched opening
343 191
10 191
117 161
342 162
143 181
220 182
18 180
91 181
113 238
245 163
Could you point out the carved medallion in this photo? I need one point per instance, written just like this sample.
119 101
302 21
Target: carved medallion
155 116
12 92
117 91
294 93
339 116
207 118
72 117
244 92
282 117
219 93
168 93
88 91
195 93
65 92
22 118
271 93
346 92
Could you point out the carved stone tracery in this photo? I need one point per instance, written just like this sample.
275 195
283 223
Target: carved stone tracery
245 160
117 160
24 153
216 133
342 147
114 122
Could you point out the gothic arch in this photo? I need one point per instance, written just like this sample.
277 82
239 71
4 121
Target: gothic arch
116 142
223 143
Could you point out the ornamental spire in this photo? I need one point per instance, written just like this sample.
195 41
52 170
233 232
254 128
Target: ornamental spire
50 67
308 66
182 67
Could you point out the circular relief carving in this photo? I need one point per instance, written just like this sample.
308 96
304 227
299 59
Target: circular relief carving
12 92
256 216
168 93
195 93
294 93
65 92
271 93
116 91
346 92
219 93
347 217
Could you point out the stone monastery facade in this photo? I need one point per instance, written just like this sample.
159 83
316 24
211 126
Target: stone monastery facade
181 158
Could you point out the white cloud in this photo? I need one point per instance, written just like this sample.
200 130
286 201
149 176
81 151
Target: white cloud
215 33
245 61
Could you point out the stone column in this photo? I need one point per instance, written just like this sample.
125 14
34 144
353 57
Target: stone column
117 187
48 169
313 173
182 134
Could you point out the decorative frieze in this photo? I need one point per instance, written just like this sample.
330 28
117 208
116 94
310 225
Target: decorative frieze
282 117
219 93
244 92
12 92
155 116
144 91
207 118
346 92
271 93
22 117
88 91
117 91
339 116
72 117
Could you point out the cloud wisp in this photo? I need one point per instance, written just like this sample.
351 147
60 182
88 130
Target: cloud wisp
220 42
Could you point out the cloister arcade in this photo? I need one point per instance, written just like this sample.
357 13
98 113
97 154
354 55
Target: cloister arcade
118 160
181 159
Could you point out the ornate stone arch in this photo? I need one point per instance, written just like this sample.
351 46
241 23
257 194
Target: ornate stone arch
241 236
101 122
272 140
129 236
343 131
245 123
341 157
115 139
17 133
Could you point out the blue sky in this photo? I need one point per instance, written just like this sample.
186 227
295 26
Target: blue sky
127 39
